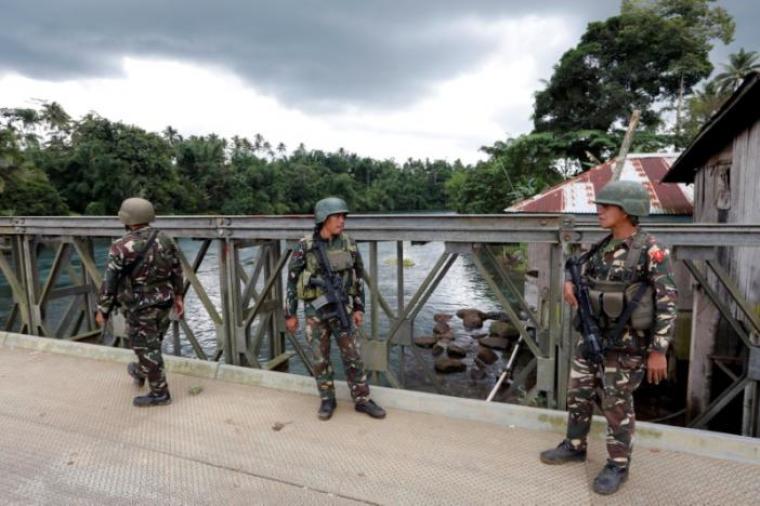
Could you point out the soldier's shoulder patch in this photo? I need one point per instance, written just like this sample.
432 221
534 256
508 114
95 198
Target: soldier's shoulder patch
657 254
122 243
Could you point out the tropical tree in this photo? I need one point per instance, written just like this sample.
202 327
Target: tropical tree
24 188
654 51
739 65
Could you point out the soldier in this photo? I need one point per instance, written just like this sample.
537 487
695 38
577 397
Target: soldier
626 262
144 277
306 278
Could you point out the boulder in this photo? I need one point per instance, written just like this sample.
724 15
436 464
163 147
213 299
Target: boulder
487 355
442 317
496 315
448 365
441 328
425 341
471 318
448 336
499 343
456 351
504 330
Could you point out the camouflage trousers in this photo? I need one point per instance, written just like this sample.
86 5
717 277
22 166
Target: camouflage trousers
319 335
618 379
145 329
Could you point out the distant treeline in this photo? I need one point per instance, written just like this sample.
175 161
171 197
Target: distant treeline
53 164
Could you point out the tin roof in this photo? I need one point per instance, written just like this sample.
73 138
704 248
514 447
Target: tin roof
577 195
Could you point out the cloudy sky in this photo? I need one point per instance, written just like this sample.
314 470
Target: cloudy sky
388 79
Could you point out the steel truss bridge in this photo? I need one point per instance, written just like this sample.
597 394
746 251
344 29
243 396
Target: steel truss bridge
248 317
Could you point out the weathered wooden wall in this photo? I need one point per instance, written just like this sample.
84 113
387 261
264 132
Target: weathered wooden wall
726 190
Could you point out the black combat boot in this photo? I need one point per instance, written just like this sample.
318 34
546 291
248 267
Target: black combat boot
370 408
562 454
608 481
152 399
326 409
133 369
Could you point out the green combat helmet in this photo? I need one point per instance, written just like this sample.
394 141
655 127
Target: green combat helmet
631 196
328 206
136 211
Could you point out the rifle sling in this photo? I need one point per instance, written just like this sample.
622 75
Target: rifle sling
632 259
340 310
629 309
138 261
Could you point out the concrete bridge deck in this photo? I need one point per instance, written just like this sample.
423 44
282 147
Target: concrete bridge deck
69 435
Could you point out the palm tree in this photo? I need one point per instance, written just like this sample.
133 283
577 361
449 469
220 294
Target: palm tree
258 141
739 65
267 148
54 115
171 135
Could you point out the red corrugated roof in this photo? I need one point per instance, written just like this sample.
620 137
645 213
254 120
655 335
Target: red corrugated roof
576 195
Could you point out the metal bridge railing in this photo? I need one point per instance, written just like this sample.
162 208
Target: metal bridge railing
247 317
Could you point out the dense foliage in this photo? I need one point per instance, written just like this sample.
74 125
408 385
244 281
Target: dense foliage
649 56
54 165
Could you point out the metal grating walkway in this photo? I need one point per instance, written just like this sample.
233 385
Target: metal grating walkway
69 435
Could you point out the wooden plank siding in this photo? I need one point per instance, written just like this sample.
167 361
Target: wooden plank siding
726 190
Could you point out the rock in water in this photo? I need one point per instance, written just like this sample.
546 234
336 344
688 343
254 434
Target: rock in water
498 343
503 330
487 355
497 315
425 341
441 328
442 317
471 318
448 336
448 365
456 351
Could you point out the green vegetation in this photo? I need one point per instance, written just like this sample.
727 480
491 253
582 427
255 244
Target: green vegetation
652 56
407 262
57 165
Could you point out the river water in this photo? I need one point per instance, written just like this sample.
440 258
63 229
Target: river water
462 287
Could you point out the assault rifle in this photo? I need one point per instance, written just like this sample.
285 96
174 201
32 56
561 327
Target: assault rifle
333 303
592 348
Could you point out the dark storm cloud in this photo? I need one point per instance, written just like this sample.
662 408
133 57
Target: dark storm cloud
306 52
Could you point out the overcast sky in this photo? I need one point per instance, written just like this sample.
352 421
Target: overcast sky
388 79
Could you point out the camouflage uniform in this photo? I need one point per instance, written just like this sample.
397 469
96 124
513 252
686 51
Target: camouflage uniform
304 265
624 361
146 296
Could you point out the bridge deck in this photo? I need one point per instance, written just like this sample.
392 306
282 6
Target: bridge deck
69 435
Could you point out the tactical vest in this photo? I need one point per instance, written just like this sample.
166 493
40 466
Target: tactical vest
341 260
150 283
610 298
